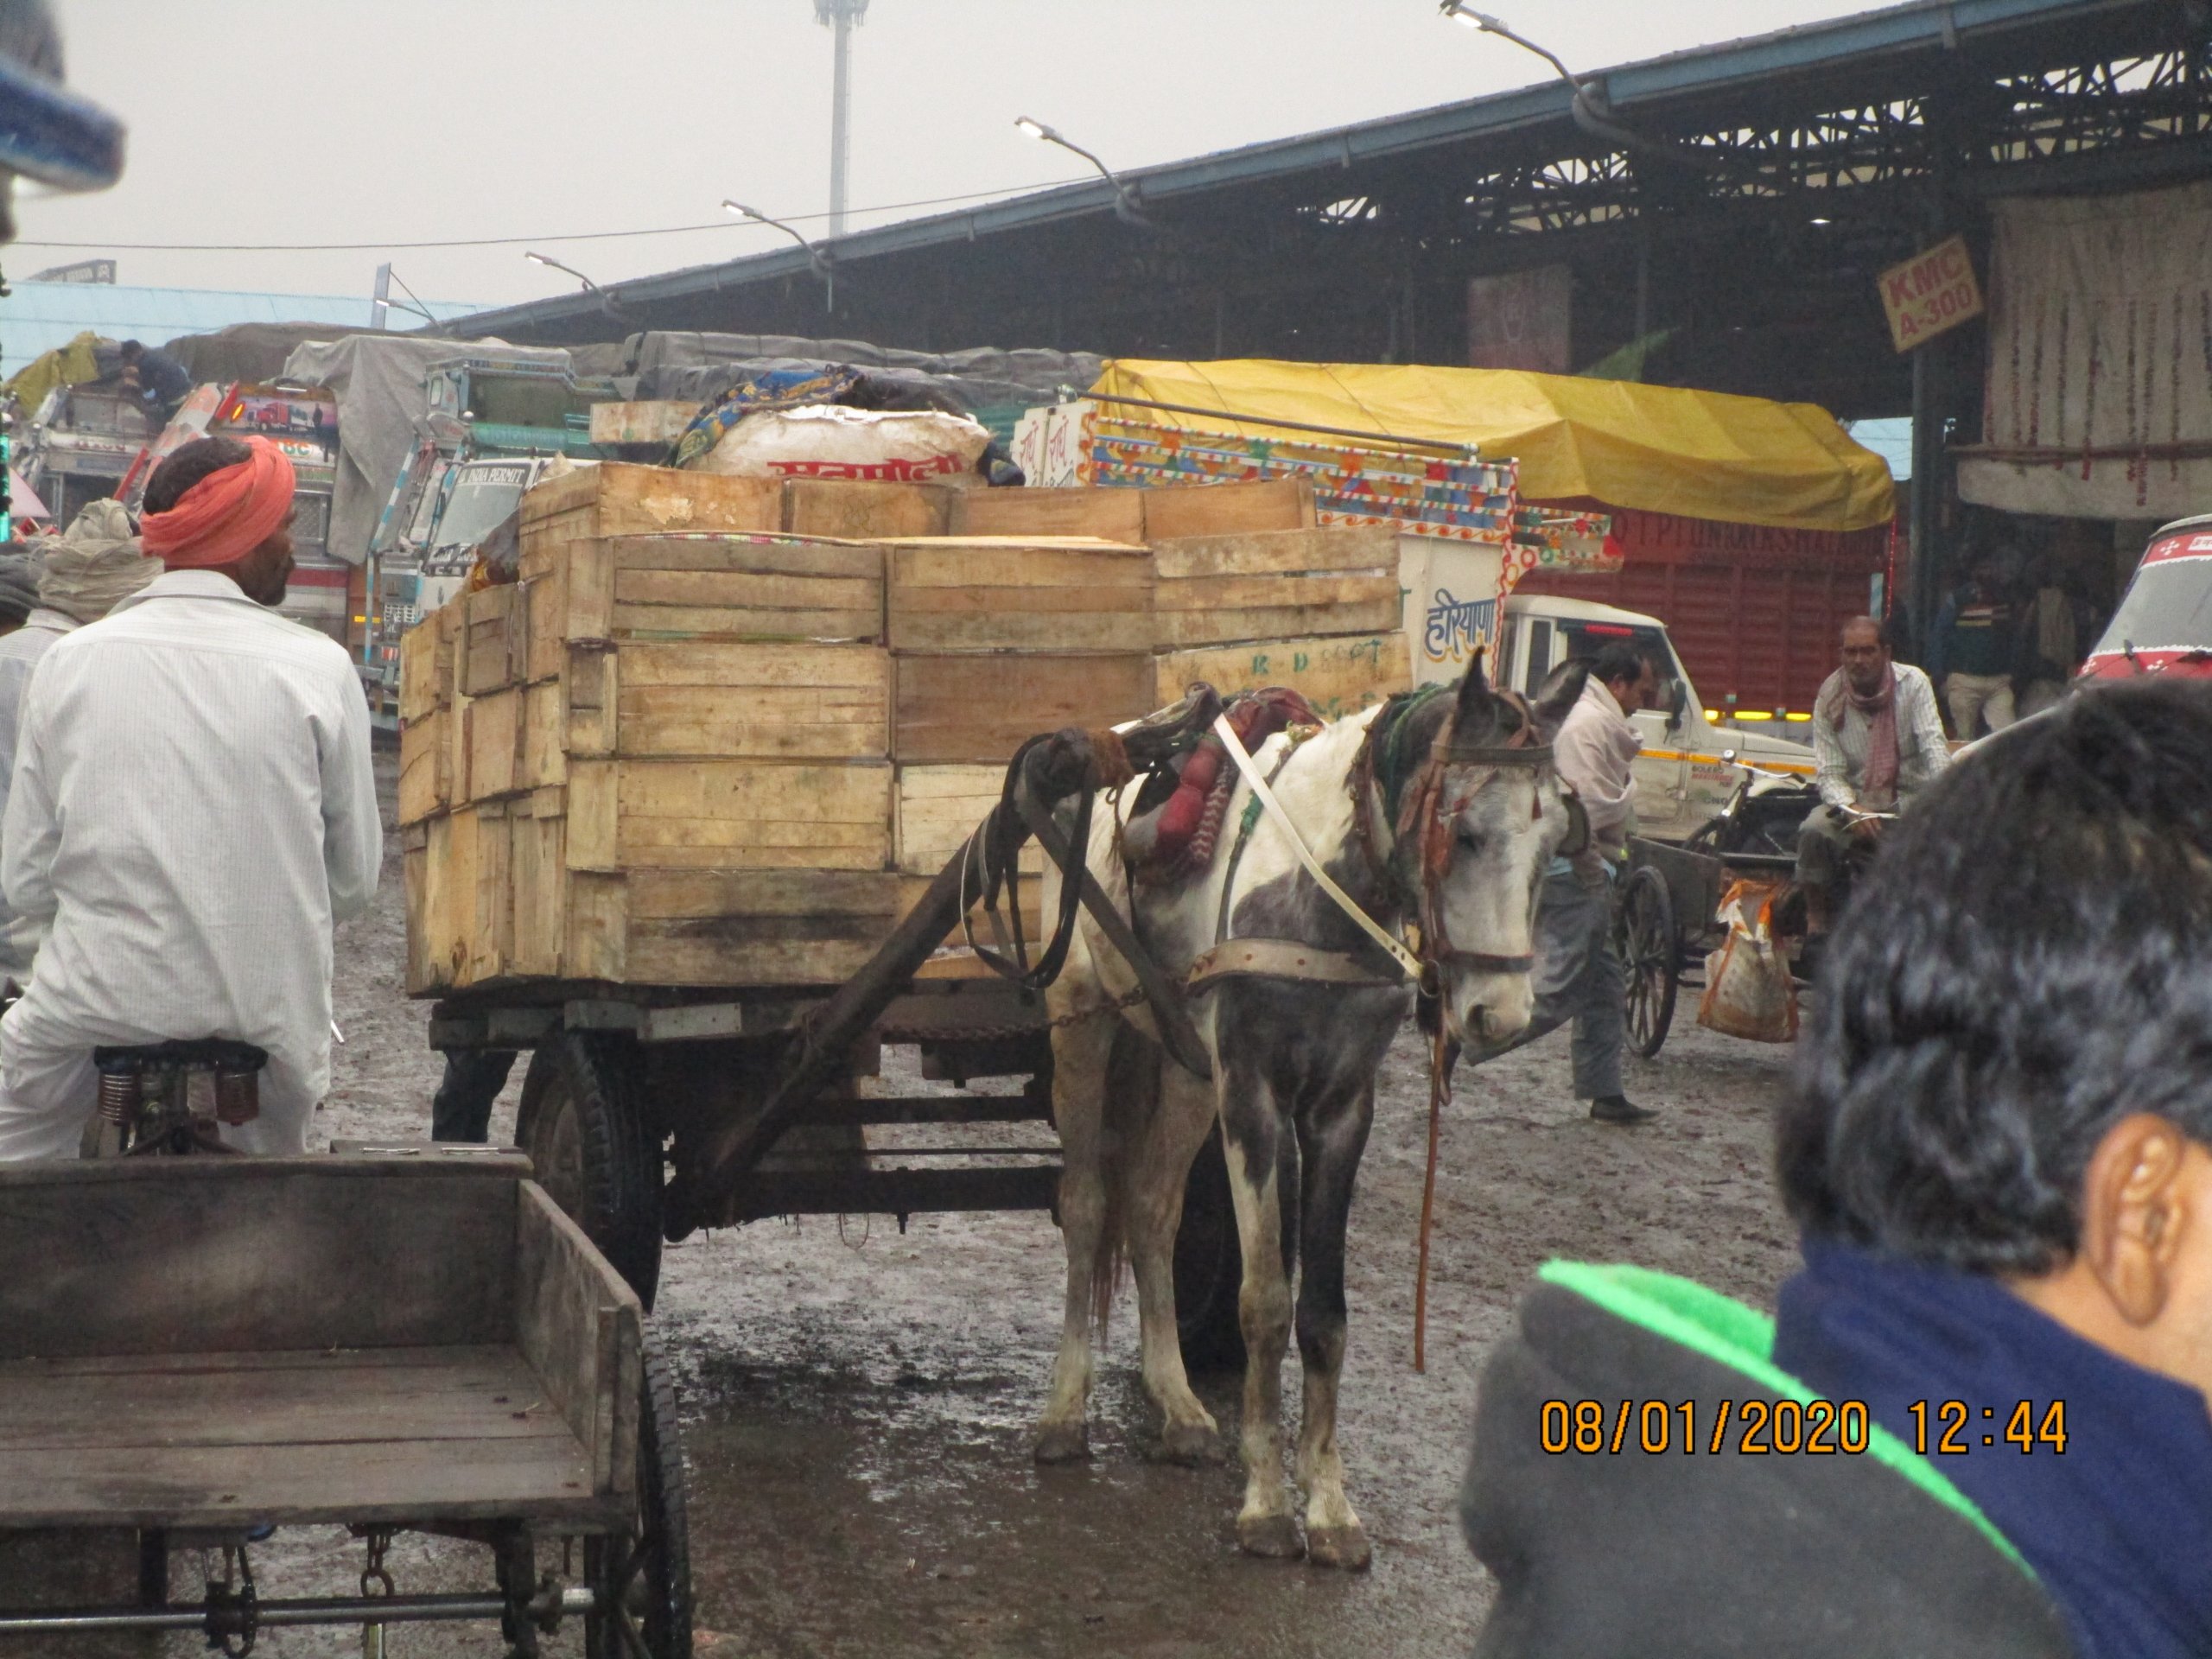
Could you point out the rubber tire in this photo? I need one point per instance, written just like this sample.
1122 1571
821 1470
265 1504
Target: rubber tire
1209 1268
661 1511
1650 948
595 1148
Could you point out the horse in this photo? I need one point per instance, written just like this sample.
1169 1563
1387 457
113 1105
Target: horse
1438 807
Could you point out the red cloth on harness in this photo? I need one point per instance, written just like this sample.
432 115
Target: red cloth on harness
1188 826
225 515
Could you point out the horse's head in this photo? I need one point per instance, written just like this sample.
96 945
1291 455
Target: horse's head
1495 819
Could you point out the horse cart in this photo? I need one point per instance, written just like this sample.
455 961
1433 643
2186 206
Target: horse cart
1668 916
213 1348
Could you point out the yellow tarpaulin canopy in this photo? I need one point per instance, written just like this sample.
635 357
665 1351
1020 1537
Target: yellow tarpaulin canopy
1704 454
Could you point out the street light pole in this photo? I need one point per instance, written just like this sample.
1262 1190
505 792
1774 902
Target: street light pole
819 262
1126 207
606 299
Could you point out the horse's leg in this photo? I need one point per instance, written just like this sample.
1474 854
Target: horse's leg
1253 1131
1188 1435
1079 1056
1330 1141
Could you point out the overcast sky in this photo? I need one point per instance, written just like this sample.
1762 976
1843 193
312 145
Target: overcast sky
396 121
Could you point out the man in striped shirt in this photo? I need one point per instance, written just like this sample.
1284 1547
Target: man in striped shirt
1878 741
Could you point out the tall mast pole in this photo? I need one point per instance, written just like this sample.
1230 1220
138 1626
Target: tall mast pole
840 16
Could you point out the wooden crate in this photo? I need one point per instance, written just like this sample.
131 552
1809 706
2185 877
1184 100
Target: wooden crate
615 498
1275 585
1227 509
719 699
627 814
1109 515
727 926
494 646
862 510
425 666
425 767
1014 593
757 587
981 706
938 809
1338 674
655 421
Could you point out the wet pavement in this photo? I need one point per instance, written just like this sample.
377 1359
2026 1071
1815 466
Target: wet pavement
857 1402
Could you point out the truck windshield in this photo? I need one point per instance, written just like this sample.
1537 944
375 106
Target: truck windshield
482 497
1580 640
2168 606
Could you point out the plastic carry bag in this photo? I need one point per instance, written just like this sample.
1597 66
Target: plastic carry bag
1748 989
830 440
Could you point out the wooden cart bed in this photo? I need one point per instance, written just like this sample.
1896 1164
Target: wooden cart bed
211 1342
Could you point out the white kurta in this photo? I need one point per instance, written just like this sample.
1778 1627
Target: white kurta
20 653
193 807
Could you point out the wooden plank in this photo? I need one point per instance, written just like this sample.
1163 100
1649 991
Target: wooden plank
1227 509
746 815
981 707
544 743
939 808
1115 514
1371 615
595 944
751 927
425 767
863 510
592 684
565 1293
762 554
546 597
489 615
1260 593
593 814
1001 595
298 1253
589 569
491 935
422 683
730 701
537 830
495 734
1271 552
651 421
1338 674
415 876
620 500
912 888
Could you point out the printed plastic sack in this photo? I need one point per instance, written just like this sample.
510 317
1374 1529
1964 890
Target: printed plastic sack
1748 989
830 440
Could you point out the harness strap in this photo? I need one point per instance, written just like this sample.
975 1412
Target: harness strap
1406 960
1279 959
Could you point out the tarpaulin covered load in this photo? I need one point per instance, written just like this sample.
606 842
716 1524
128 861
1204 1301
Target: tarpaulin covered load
700 367
1702 454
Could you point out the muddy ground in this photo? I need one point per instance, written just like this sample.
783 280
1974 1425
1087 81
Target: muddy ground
857 1402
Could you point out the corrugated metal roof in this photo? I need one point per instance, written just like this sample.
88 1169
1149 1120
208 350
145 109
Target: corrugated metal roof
36 317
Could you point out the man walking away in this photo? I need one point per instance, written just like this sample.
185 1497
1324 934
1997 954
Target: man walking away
192 809
1578 974
81 577
1878 741
1977 652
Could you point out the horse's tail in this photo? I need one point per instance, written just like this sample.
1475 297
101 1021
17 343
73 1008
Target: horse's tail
1127 1110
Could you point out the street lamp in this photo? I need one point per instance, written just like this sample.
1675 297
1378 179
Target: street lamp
819 262
1591 110
1125 196
606 299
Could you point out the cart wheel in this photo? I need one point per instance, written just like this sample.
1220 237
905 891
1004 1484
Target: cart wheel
1209 1268
582 1121
644 1578
1651 954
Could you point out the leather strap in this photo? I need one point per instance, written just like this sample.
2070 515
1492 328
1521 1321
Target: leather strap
1406 960
1279 959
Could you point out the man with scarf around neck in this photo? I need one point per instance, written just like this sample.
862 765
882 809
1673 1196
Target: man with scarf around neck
1878 741
192 807
1998 1150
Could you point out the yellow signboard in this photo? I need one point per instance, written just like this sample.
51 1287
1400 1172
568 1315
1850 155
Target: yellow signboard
1931 293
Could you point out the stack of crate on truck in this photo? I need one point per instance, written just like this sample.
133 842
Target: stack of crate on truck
670 795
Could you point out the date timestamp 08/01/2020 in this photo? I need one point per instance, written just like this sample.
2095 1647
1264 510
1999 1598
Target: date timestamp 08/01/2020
1754 1427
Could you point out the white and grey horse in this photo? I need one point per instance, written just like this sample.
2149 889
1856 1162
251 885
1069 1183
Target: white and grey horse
1442 809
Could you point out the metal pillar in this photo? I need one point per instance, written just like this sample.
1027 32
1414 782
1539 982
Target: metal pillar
840 16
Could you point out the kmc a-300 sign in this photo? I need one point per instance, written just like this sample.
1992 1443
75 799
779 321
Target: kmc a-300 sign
1930 293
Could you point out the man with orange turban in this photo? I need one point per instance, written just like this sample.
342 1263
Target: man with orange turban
192 810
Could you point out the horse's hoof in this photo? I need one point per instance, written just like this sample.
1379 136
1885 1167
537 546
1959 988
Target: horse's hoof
1274 1536
1340 1547
1062 1443
1193 1446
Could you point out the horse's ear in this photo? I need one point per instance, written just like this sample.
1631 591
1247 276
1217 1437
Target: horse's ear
1560 691
1475 708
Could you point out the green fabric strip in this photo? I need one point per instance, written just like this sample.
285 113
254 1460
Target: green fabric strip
1726 1332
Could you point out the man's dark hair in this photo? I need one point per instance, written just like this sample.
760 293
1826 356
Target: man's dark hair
131 348
2030 961
1619 659
1881 629
189 464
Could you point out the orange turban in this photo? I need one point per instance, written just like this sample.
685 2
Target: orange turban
227 514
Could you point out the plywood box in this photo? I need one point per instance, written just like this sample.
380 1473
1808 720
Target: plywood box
494 648
654 421
858 510
758 587
1275 585
1227 509
615 498
728 700
627 813
423 676
939 808
425 767
1110 515
1007 592
1338 674
982 706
